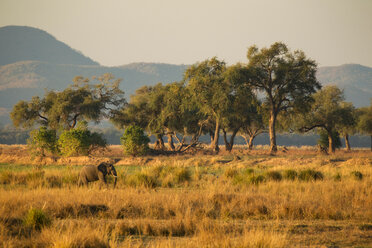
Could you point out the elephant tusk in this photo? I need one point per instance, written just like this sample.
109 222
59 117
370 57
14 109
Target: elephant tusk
115 176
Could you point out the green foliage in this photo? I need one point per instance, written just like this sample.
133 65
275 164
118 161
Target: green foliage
337 177
357 175
328 112
37 219
365 120
182 175
323 139
310 175
288 79
142 179
290 175
42 142
134 141
80 101
79 141
273 175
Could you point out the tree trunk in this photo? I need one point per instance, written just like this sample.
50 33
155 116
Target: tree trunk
331 148
347 143
232 138
170 142
214 144
250 143
272 133
227 144
211 134
159 144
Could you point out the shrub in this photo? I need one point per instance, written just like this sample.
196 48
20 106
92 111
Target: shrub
310 175
323 139
357 175
182 175
274 175
256 180
290 174
337 177
42 142
79 141
36 219
134 141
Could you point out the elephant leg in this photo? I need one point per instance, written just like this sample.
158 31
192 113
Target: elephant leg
83 181
102 180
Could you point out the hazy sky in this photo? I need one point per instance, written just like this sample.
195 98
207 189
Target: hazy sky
332 32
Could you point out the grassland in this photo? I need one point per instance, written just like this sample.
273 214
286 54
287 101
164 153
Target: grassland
297 198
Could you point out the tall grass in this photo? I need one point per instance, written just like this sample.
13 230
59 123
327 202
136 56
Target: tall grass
257 201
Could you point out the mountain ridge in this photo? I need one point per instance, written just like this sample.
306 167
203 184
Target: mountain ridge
20 43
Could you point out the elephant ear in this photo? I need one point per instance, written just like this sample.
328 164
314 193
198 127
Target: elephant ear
102 167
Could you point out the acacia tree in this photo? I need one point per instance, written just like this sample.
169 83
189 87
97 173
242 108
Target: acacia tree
348 127
80 101
365 121
206 82
255 125
287 78
327 112
242 103
144 110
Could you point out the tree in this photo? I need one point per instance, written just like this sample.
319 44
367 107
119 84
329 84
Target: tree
79 141
328 112
365 121
323 139
80 101
134 141
348 127
287 79
255 125
241 104
205 81
144 110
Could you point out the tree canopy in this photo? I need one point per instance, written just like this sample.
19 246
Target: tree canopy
80 101
328 112
287 79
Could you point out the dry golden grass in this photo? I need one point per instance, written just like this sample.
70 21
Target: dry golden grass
244 199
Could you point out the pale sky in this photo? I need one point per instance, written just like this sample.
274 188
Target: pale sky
113 32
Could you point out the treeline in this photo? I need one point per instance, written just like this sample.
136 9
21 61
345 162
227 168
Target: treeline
212 100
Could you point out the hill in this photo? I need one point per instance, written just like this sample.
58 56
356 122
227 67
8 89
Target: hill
22 80
18 43
354 79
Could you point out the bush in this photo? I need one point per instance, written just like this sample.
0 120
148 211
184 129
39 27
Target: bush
323 139
37 219
134 141
310 175
256 179
274 175
182 175
357 175
337 177
79 141
42 142
290 174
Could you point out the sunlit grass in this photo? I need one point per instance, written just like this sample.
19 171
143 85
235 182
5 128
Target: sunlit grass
257 200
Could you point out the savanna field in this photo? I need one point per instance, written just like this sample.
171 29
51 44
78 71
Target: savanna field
296 198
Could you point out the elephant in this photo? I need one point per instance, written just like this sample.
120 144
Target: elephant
91 173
